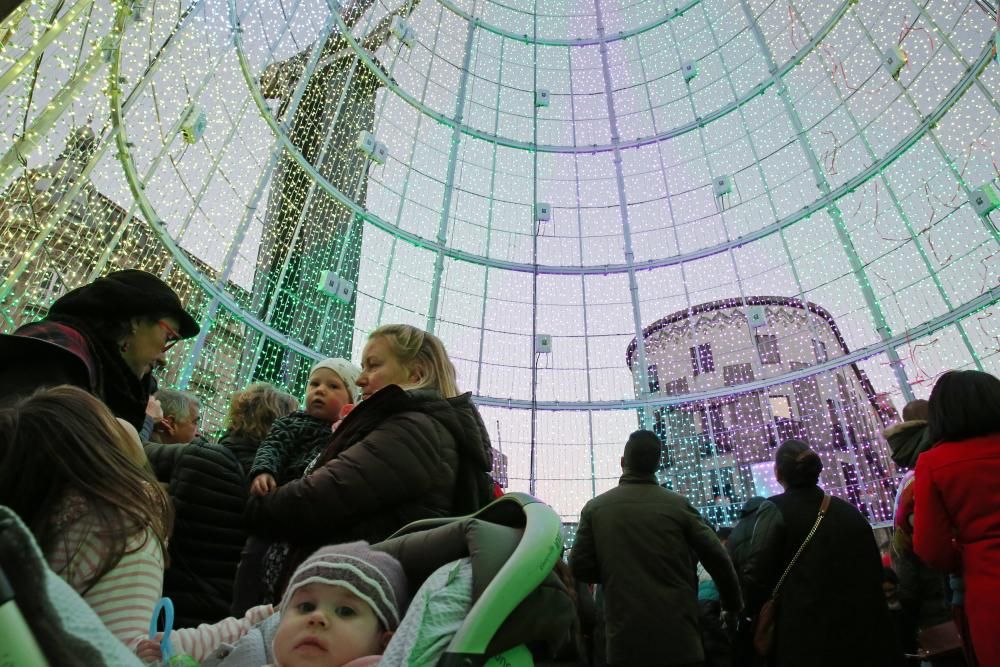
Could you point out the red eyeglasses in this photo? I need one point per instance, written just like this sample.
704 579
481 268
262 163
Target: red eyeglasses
172 336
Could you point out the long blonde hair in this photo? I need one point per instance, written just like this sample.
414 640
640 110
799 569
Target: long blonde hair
422 353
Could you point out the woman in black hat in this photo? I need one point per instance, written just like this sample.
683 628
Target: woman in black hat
106 337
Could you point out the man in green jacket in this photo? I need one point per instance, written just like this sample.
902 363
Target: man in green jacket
642 543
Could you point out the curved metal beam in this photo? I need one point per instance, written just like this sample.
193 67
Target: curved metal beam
920 331
575 41
816 206
701 121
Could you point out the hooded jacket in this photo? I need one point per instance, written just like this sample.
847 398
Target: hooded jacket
908 440
398 457
921 590
243 447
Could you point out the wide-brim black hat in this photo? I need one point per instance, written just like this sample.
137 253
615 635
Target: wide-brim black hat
123 295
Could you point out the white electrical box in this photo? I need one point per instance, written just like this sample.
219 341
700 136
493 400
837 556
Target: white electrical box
722 185
543 344
689 69
345 291
756 317
194 124
895 60
381 152
336 287
985 199
366 142
542 97
543 212
403 31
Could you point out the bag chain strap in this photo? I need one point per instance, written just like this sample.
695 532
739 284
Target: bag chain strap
824 506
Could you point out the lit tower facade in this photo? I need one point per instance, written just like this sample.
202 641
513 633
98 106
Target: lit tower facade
750 369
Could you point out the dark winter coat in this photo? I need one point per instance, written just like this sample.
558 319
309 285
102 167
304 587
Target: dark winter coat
922 590
208 491
243 447
398 457
738 543
831 609
48 353
642 543
292 443
908 440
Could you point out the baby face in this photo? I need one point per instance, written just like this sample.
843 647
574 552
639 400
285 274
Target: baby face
326 395
326 626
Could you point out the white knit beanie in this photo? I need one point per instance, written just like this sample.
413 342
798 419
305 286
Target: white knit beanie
347 372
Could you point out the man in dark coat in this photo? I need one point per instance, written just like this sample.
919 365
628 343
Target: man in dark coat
642 543
209 492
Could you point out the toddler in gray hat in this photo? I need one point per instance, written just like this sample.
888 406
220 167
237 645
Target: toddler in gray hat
341 607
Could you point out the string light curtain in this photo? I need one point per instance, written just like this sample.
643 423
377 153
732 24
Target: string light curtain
731 221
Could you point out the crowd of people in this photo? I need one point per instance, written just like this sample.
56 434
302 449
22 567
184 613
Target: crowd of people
263 536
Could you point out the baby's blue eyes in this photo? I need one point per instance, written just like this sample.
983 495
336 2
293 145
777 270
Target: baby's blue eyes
305 607
345 612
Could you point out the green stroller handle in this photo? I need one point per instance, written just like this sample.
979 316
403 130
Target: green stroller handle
533 559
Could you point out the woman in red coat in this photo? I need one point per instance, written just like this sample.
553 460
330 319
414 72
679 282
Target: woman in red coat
957 498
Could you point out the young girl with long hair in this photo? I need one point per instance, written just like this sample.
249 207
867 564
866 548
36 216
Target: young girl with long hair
77 477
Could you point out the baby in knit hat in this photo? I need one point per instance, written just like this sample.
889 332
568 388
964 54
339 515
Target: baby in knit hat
340 609
296 439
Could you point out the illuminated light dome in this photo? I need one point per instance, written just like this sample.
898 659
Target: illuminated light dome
536 182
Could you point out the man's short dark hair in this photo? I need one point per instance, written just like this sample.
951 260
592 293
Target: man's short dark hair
642 452
963 405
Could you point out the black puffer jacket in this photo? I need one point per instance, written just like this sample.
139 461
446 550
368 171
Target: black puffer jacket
398 457
208 490
243 447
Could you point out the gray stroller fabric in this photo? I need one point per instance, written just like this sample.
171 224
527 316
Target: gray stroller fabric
68 631
252 650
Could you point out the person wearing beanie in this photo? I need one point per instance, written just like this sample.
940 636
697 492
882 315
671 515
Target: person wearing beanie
342 605
290 445
295 440
105 337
